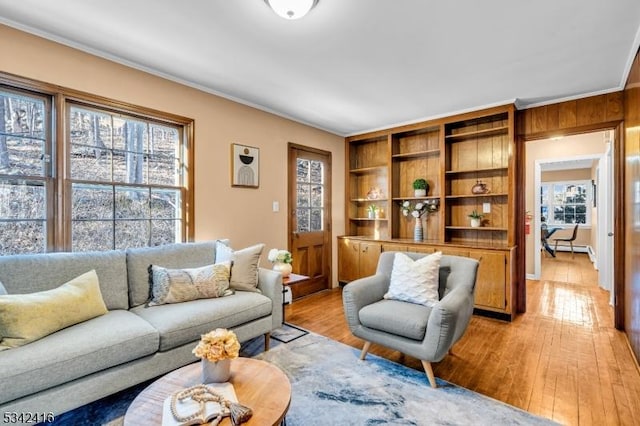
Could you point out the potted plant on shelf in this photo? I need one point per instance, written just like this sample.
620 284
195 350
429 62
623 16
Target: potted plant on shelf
476 219
420 187
372 211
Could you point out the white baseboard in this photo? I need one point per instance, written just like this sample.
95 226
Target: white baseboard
576 249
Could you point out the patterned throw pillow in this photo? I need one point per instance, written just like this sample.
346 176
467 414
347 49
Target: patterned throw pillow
182 285
415 281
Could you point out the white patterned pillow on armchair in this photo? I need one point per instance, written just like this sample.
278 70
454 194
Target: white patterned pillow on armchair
415 281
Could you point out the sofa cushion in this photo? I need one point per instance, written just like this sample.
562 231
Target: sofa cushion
245 265
175 256
25 318
399 318
415 281
183 285
2 289
75 352
29 273
181 323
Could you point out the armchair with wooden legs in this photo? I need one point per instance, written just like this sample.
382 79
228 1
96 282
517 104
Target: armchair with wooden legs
426 333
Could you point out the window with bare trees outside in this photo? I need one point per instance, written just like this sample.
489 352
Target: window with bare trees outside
25 171
119 177
126 179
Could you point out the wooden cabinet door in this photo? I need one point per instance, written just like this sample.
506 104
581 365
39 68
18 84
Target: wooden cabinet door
455 252
369 254
421 249
393 247
491 282
348 259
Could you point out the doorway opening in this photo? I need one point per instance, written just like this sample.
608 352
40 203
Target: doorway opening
569 182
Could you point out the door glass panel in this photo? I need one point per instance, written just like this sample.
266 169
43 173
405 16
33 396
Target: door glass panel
303 220
303 170
310 195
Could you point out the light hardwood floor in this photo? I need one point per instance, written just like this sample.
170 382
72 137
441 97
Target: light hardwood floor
562 360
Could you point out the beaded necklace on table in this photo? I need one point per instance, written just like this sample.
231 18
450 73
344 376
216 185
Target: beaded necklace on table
203 394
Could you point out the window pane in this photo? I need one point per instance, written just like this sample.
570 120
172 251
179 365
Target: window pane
162 171
165 204
25 200
164 143
165 231
22 156
132 233
132 203
303 220
92 202
91 235
90 163
303 170
558 194
22 237
22 135
303 195
316 172
316 195
316 220
90 128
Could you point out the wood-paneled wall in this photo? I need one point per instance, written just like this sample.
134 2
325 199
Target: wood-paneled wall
570 117
632 207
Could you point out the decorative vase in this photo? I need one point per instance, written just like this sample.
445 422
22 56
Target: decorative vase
419 192
284 268
417 230
371 215
475 223
479 188
216 371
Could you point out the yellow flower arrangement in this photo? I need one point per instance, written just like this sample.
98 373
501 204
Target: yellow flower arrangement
217 345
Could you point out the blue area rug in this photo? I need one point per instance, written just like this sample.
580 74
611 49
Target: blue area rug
331 386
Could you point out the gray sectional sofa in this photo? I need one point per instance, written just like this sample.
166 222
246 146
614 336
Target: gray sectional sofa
129 344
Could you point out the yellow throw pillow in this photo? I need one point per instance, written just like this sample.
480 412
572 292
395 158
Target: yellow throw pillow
25 318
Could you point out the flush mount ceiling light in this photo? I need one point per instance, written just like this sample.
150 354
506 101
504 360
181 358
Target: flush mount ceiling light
291 9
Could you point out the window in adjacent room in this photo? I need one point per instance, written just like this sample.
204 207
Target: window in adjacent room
565 203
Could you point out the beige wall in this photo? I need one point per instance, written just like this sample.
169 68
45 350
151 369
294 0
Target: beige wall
547 149
241 214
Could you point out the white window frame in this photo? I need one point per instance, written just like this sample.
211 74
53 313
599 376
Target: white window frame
550 219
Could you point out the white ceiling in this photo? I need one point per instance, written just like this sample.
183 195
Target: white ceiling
356 65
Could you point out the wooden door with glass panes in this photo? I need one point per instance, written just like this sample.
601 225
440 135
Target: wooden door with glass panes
310 217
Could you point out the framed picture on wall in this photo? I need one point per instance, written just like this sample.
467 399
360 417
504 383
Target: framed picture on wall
245 166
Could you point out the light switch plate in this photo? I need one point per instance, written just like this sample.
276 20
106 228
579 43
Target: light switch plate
276 206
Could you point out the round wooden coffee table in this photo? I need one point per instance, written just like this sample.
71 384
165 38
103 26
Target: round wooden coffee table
259 385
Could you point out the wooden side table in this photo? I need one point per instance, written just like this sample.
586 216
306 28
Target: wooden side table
259 385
